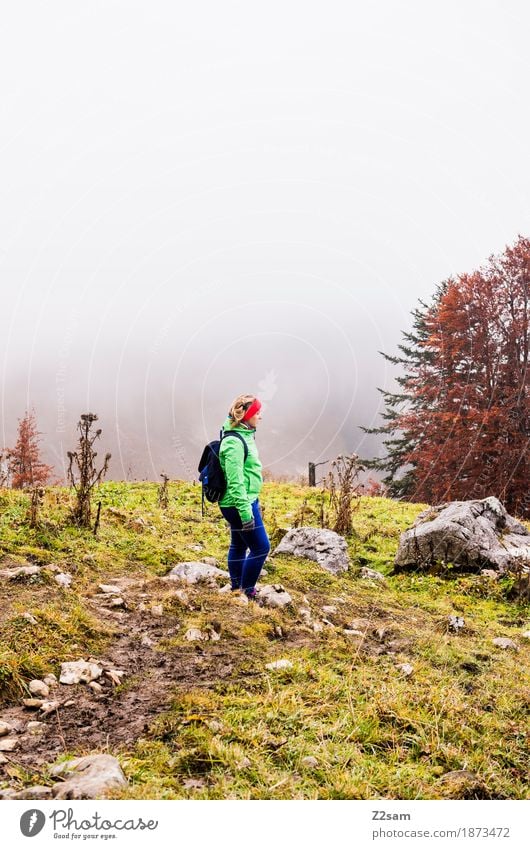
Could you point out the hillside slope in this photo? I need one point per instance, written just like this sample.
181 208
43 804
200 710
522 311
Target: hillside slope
403 709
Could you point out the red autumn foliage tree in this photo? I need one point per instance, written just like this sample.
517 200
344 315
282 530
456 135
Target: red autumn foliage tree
25 467
465 423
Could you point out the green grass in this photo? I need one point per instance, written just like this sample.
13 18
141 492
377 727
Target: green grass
374 732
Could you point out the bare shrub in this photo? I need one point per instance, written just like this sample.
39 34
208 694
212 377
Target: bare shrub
344 490
87 475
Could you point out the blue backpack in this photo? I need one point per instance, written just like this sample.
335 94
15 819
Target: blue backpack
211 473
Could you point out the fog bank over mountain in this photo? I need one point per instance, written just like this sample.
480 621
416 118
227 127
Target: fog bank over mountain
203 201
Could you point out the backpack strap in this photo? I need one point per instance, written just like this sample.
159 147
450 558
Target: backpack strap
234 433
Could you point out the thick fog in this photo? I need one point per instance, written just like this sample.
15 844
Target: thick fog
206 199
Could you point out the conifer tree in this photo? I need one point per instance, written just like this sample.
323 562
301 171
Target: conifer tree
25 467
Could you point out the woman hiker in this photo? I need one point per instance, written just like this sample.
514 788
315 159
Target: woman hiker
240 503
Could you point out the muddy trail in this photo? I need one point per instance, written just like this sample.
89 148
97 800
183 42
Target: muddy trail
85 720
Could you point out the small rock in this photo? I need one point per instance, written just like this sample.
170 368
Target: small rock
489 573
214 726
39 689
115 675
194 571
193 784
147 641
526 635
352 632
110 589
279 664
196 547
50 680
182 596
317 627
193 634
329 609
309 761
38 791
21 572
64 579
244 763
241 599
5 728
372 574
157 610
505 643
48 707
96 687
29 618
360 624
32 703
3 760
117 601
79 671
456 623
36 728
211 561
406 668
141 607
8 744
274 595
90 777
227 588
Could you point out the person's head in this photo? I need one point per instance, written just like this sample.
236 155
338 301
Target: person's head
240 409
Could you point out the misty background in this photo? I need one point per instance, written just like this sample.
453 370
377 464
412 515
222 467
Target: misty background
202 200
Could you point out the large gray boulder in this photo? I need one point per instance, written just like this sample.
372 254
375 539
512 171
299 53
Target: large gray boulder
326 547
470 534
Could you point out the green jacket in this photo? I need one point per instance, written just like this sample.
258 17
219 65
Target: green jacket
244 480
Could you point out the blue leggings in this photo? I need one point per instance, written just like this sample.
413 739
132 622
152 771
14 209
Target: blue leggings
245 569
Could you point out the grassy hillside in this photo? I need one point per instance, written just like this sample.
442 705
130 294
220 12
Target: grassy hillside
207 720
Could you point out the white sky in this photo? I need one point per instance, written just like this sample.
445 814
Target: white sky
203 199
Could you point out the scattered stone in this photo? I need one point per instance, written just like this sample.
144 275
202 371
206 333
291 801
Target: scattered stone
141 607
96 687
90 777
48 707
50 680
157 610
305 613
279 664
115 675
193 784
8 744
329 609
110 589
352 632
474 535
193 572
193 634
274 595
35 728
244 763
5 728
309 761
39 689
117 601
406 668
463 784
456 623
182 596
38 791
211 561
214 726
20 572
505 643
324 546
64 579
29 618
147 641
317 627
372 574
489 573
32 703
227 588
241 599
79 671
197 547
3 760
526 635
360 624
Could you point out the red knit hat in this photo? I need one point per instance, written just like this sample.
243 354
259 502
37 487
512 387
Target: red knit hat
255 407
